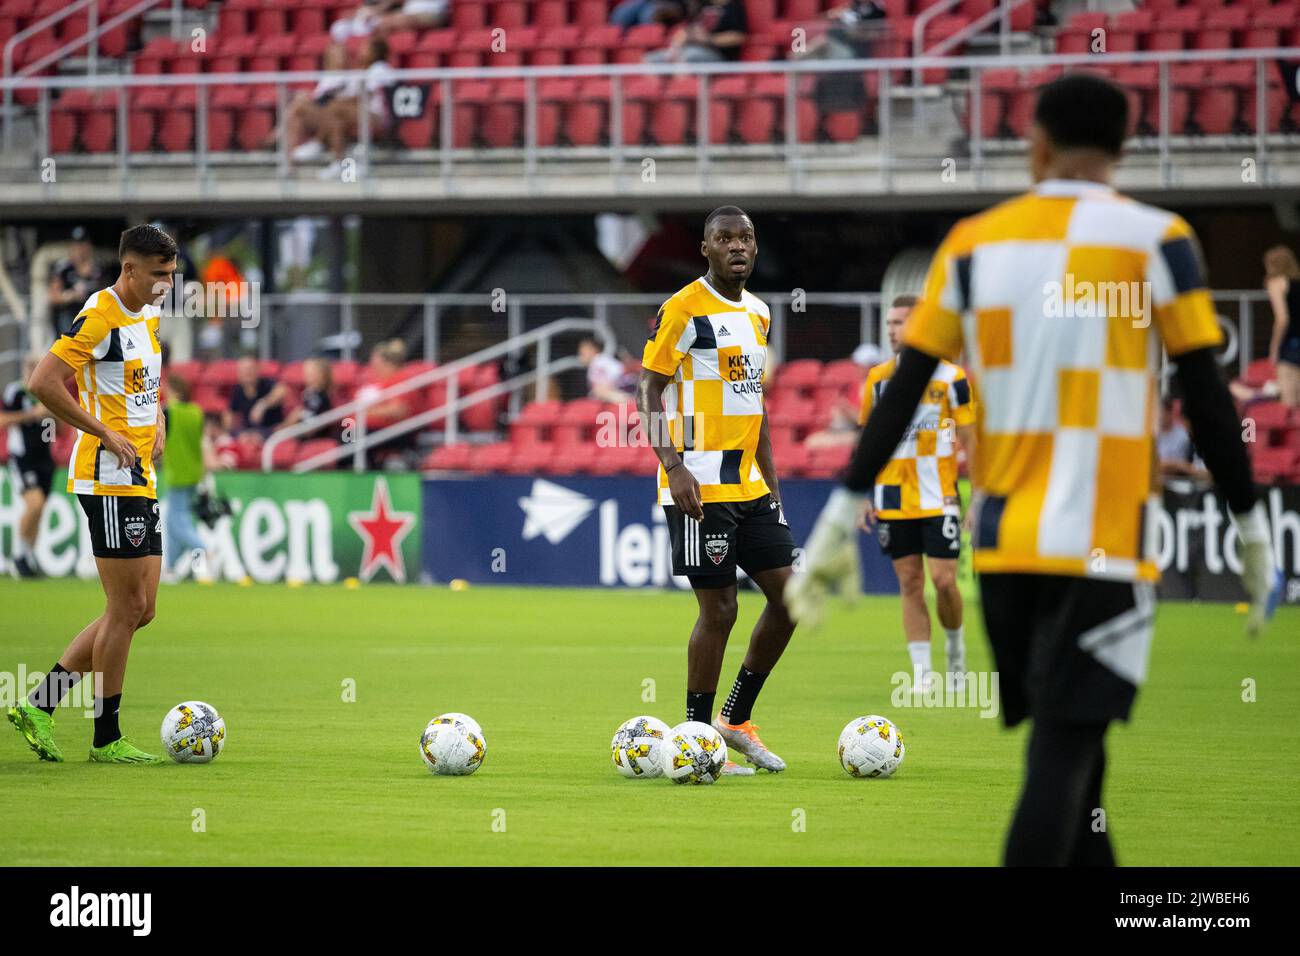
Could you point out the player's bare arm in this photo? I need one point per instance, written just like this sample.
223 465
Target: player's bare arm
160 436
681 483
966 438
49 384
766 461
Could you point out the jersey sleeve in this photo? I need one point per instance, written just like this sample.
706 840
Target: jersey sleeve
77 346
961 400
670 341
935 324
868 397
1179 296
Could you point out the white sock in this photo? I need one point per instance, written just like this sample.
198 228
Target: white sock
956 647
920 652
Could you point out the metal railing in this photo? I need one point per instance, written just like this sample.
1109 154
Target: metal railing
278 310
356 410
95 30
1238 350
892 147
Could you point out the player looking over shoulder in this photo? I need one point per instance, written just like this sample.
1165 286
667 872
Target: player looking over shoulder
717 480
114 354
915 508
1065 472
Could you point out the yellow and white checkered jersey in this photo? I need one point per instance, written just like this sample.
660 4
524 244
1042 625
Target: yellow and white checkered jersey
920 481
715 350
1062 298
118 361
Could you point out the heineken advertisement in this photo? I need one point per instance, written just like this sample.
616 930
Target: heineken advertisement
321 526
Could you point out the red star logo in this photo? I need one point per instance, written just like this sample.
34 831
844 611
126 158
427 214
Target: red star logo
382 529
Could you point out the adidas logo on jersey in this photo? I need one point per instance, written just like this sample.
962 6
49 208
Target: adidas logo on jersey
722 330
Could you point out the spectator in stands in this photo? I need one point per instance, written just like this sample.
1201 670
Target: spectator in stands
1178 458
633 13
846 39
317 385
185 461
73 279
607 379
382 17
1245 394
338 121
256 403
1282 280
715 31
305 112
386 369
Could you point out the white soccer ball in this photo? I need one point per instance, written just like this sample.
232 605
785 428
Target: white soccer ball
694 753
871 747
637 747
463 718
193 732
453 745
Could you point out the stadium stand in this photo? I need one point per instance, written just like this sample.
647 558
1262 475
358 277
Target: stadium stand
270 35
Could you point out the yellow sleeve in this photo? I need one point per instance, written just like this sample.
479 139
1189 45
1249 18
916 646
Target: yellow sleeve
1180 297
868 397
78 344
671 340
962 399
935 324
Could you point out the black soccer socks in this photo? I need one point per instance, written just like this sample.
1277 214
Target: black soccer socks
699 706
52 688
106 729
740 702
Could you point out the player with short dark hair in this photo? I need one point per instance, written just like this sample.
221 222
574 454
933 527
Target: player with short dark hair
114 354
704 363
1064 480
915 510
31 466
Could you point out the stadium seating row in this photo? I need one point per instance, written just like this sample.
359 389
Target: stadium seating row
1205 98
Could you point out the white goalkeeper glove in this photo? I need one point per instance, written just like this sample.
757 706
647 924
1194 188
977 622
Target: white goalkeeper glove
830 560
1260 574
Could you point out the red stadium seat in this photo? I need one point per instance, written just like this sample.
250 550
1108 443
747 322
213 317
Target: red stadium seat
1258 372
551 13
487 459
448 458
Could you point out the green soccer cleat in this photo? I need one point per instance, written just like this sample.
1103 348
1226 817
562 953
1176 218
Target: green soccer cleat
122 750
37 728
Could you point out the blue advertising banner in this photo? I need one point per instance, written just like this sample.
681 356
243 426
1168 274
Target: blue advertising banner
585 532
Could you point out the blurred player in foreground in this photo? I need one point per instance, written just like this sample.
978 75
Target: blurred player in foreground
717 479
1065 469
915 508
113 352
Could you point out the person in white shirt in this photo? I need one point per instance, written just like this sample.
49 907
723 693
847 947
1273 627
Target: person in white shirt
605 373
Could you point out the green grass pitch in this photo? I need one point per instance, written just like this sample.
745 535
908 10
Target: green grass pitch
1200 777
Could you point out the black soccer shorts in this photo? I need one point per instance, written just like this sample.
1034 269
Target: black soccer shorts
29 474
1069 649
751 534
935 537
123 526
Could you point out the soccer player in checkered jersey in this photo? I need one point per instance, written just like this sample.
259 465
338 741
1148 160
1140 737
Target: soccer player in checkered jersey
914 509
704 364
1065 471
114 355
